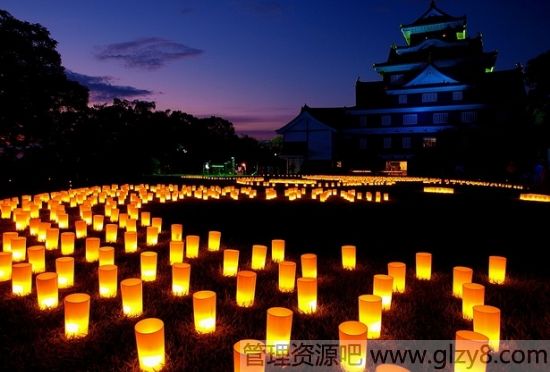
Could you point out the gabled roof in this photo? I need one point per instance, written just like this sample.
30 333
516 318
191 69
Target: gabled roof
430 76
433 15
332 118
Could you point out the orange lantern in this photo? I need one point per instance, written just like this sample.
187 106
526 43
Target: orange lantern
423 265
277 250
145 219
204 311
34 226
157 222
176 232
152 235
181 275
43 231
92 249
148 266
77 314
349 257
81 229
370 314
150 344
130 241
259 253
398 271
63 220
192 246
21 279
19 249
468 343
52 239
176 252
461 275
106 256
86 215
46 290
5 266
309 265
67 243
497 269
37 258
122 220
278 330
353 337
6 240
472 294
98 220
131 225
487 322
390 368
214 238
307 295
230 262
249 356
383 287
132 297
111 232
246 288
64 267
287 275
108 280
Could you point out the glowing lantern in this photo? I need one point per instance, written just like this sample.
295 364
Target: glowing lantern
246 288
469 343
370 314
130 241
52 238
230 262
34 225
383 286
423 265
111 232
145 218
77 314
259 253
21 220
353 336
132 297
204 311
287 275
192 246
214 238
98 222
249 356
176 232
390 368
64 267
81 229
309 265
150 344
348 257
6 240
277 250
21 279
46 290
67 243
157 222
148 266
122 220
63 220
114 215
5 266
181 275
398 271
43 231
461 275
152 235
472 294
176 252
487 322
131 225
106 256
497 269
86 215
19 249
92 249
278 330
307 295
108 280
37 258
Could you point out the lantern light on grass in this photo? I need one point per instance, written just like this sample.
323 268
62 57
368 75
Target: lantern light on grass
349 257
149 334
423 265
398 271
461 275
287 275
77 314
214 238
92 249
6 240
176 232
108 280
497 269
132 297
259 254
278 330
230 262
472 294
98 220
192 246
353 337
106 256
67 243
52 238
246 288
64 267
383 286
37 258
81 229
176 252
249 356
148 266
469 343
21 279
19 248
307 295
181 276
277 250
309 265
46 290
130 241
111 232
204 311
370 314
487 322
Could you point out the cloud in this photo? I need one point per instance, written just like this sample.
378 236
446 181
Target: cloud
102 89
147 53
263 7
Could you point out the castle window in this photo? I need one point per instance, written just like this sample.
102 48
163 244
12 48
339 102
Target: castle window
429 97
441 118
363 143
468 116
429 142
402 99
410 119
386 120
406 142
458 96
387 142
363 121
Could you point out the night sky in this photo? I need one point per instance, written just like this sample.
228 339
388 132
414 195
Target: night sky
256 62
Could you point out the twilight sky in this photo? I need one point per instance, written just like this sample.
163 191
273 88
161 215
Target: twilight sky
256 62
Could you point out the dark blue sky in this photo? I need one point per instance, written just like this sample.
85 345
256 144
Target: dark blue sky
256 62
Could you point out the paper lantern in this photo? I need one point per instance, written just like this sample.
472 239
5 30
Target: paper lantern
52 238
77 314
192 246
148 266
81 229
287 275
204 311
176 252
176 232
461 275
348 257
353 345
472 294
108 280
145 219
398 271
5 266
111 232
259 254
278 330
132 297
246 288
67 243
122 220
157 222
6 240
214 238
309 265
37 258
106 256
307 295
230 262
390 368
249 356
152 235
21 279
487 322
130 241
150 344
34 226
63 220
131 225
497 269
19 249
423 265
46 290
86 215
115 212
92 249
470 343
64 267
383 286
181 276
22 219
43 231
277 250
370 314
98 220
